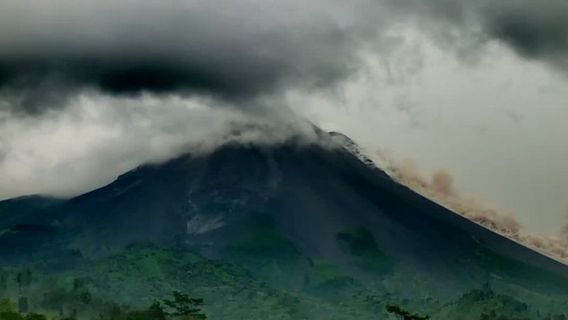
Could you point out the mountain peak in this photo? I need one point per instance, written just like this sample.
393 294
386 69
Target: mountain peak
303 217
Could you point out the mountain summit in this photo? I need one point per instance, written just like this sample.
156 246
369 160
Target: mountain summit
309 223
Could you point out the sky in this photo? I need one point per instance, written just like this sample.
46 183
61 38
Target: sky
91 89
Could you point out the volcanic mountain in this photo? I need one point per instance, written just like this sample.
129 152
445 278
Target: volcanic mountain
289 231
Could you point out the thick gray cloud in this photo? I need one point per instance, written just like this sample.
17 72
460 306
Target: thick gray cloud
233 49
536 30
95 138
238 49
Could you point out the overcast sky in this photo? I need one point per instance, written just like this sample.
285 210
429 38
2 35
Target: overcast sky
90 89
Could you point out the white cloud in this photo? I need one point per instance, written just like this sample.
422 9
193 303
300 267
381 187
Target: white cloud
96 138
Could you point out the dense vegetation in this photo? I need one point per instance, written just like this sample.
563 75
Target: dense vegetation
179 307
137 284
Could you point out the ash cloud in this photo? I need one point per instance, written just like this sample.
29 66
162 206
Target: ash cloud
440 188
232 50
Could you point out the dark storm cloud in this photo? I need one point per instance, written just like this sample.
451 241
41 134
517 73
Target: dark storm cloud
536 30
227 49
237 49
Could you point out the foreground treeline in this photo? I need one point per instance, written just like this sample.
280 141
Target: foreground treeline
127 294
179 307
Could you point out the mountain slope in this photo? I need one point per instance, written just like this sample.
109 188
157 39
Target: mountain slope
302 218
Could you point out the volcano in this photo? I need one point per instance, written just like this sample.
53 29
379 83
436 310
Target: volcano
289 231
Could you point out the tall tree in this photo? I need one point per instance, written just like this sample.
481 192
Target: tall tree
4 277
184 307
403 314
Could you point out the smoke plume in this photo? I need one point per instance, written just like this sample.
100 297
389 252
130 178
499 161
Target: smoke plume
440 188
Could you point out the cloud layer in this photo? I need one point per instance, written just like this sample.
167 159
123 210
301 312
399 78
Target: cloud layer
536 30
233 49
96 138
240 49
